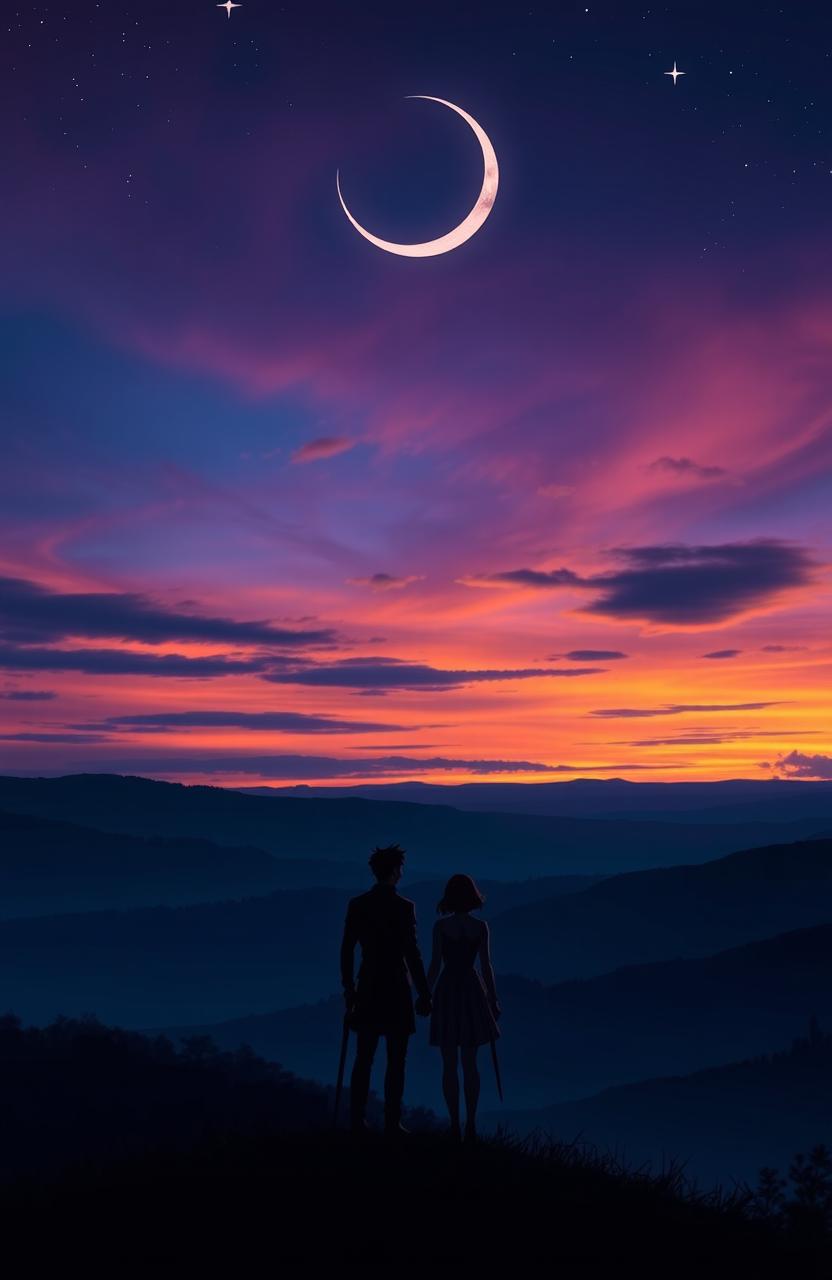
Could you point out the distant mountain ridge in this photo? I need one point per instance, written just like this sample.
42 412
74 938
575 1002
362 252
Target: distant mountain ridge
49 867
439 840
204 960
732 800
210 960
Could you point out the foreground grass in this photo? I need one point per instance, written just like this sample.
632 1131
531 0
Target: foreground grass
246 1201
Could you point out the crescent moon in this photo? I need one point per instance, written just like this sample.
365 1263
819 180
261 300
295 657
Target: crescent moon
470 224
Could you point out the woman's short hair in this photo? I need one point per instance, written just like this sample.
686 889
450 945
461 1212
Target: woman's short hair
461 894
385 859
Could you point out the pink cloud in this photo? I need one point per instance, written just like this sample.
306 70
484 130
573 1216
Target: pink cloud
322 447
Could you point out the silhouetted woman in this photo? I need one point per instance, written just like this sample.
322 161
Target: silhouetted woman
465 1005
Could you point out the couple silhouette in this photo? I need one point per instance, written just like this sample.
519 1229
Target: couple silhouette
461 1003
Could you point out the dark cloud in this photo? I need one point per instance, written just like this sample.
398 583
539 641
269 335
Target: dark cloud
590 655
694 585
711 739
798 765
723 653
268 721
32 614
291 767
120 662
686 467
374 674
677 709
526 578
687 740
85 739
385 581
29 695
106 727
783 648
678 584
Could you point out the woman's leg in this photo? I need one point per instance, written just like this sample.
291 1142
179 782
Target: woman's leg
471 1084
450 1084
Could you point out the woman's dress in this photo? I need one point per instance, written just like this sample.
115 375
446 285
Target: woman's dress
461 1013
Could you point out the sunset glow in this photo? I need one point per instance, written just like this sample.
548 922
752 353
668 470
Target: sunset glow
556 504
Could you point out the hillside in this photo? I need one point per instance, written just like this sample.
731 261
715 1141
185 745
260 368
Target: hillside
217 1162
639 917
78 1088
211 961
48 867
203 961
725 1123
439 840
562 1042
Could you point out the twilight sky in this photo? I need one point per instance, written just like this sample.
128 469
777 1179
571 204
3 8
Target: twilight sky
278 506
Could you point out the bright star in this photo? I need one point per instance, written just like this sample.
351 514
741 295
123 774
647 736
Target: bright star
673 73
228 6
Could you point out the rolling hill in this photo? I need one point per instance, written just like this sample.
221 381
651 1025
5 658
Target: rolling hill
48 867
118 1147
725 1122
565 1041
202 961
692 910
439 840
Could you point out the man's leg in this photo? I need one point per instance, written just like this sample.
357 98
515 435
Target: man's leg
365 1049
397 1043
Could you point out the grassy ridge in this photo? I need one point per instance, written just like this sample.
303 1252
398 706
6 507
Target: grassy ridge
204 1160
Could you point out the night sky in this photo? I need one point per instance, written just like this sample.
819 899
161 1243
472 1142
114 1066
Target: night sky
276 505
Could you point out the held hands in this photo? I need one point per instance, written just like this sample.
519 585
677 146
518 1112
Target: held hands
423 1006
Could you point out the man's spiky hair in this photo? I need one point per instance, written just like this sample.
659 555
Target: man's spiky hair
385 858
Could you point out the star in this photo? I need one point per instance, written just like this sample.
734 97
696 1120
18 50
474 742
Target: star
228 6
673 73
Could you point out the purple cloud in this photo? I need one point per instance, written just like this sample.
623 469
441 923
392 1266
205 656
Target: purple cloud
589 655
526 578
29 695
798 765
711 739
678 584
32 614
85 739
677 709
686 467
121 662
259 721
302 766
700 584
375 674
385 581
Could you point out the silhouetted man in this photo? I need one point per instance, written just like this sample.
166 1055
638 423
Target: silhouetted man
380 1002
